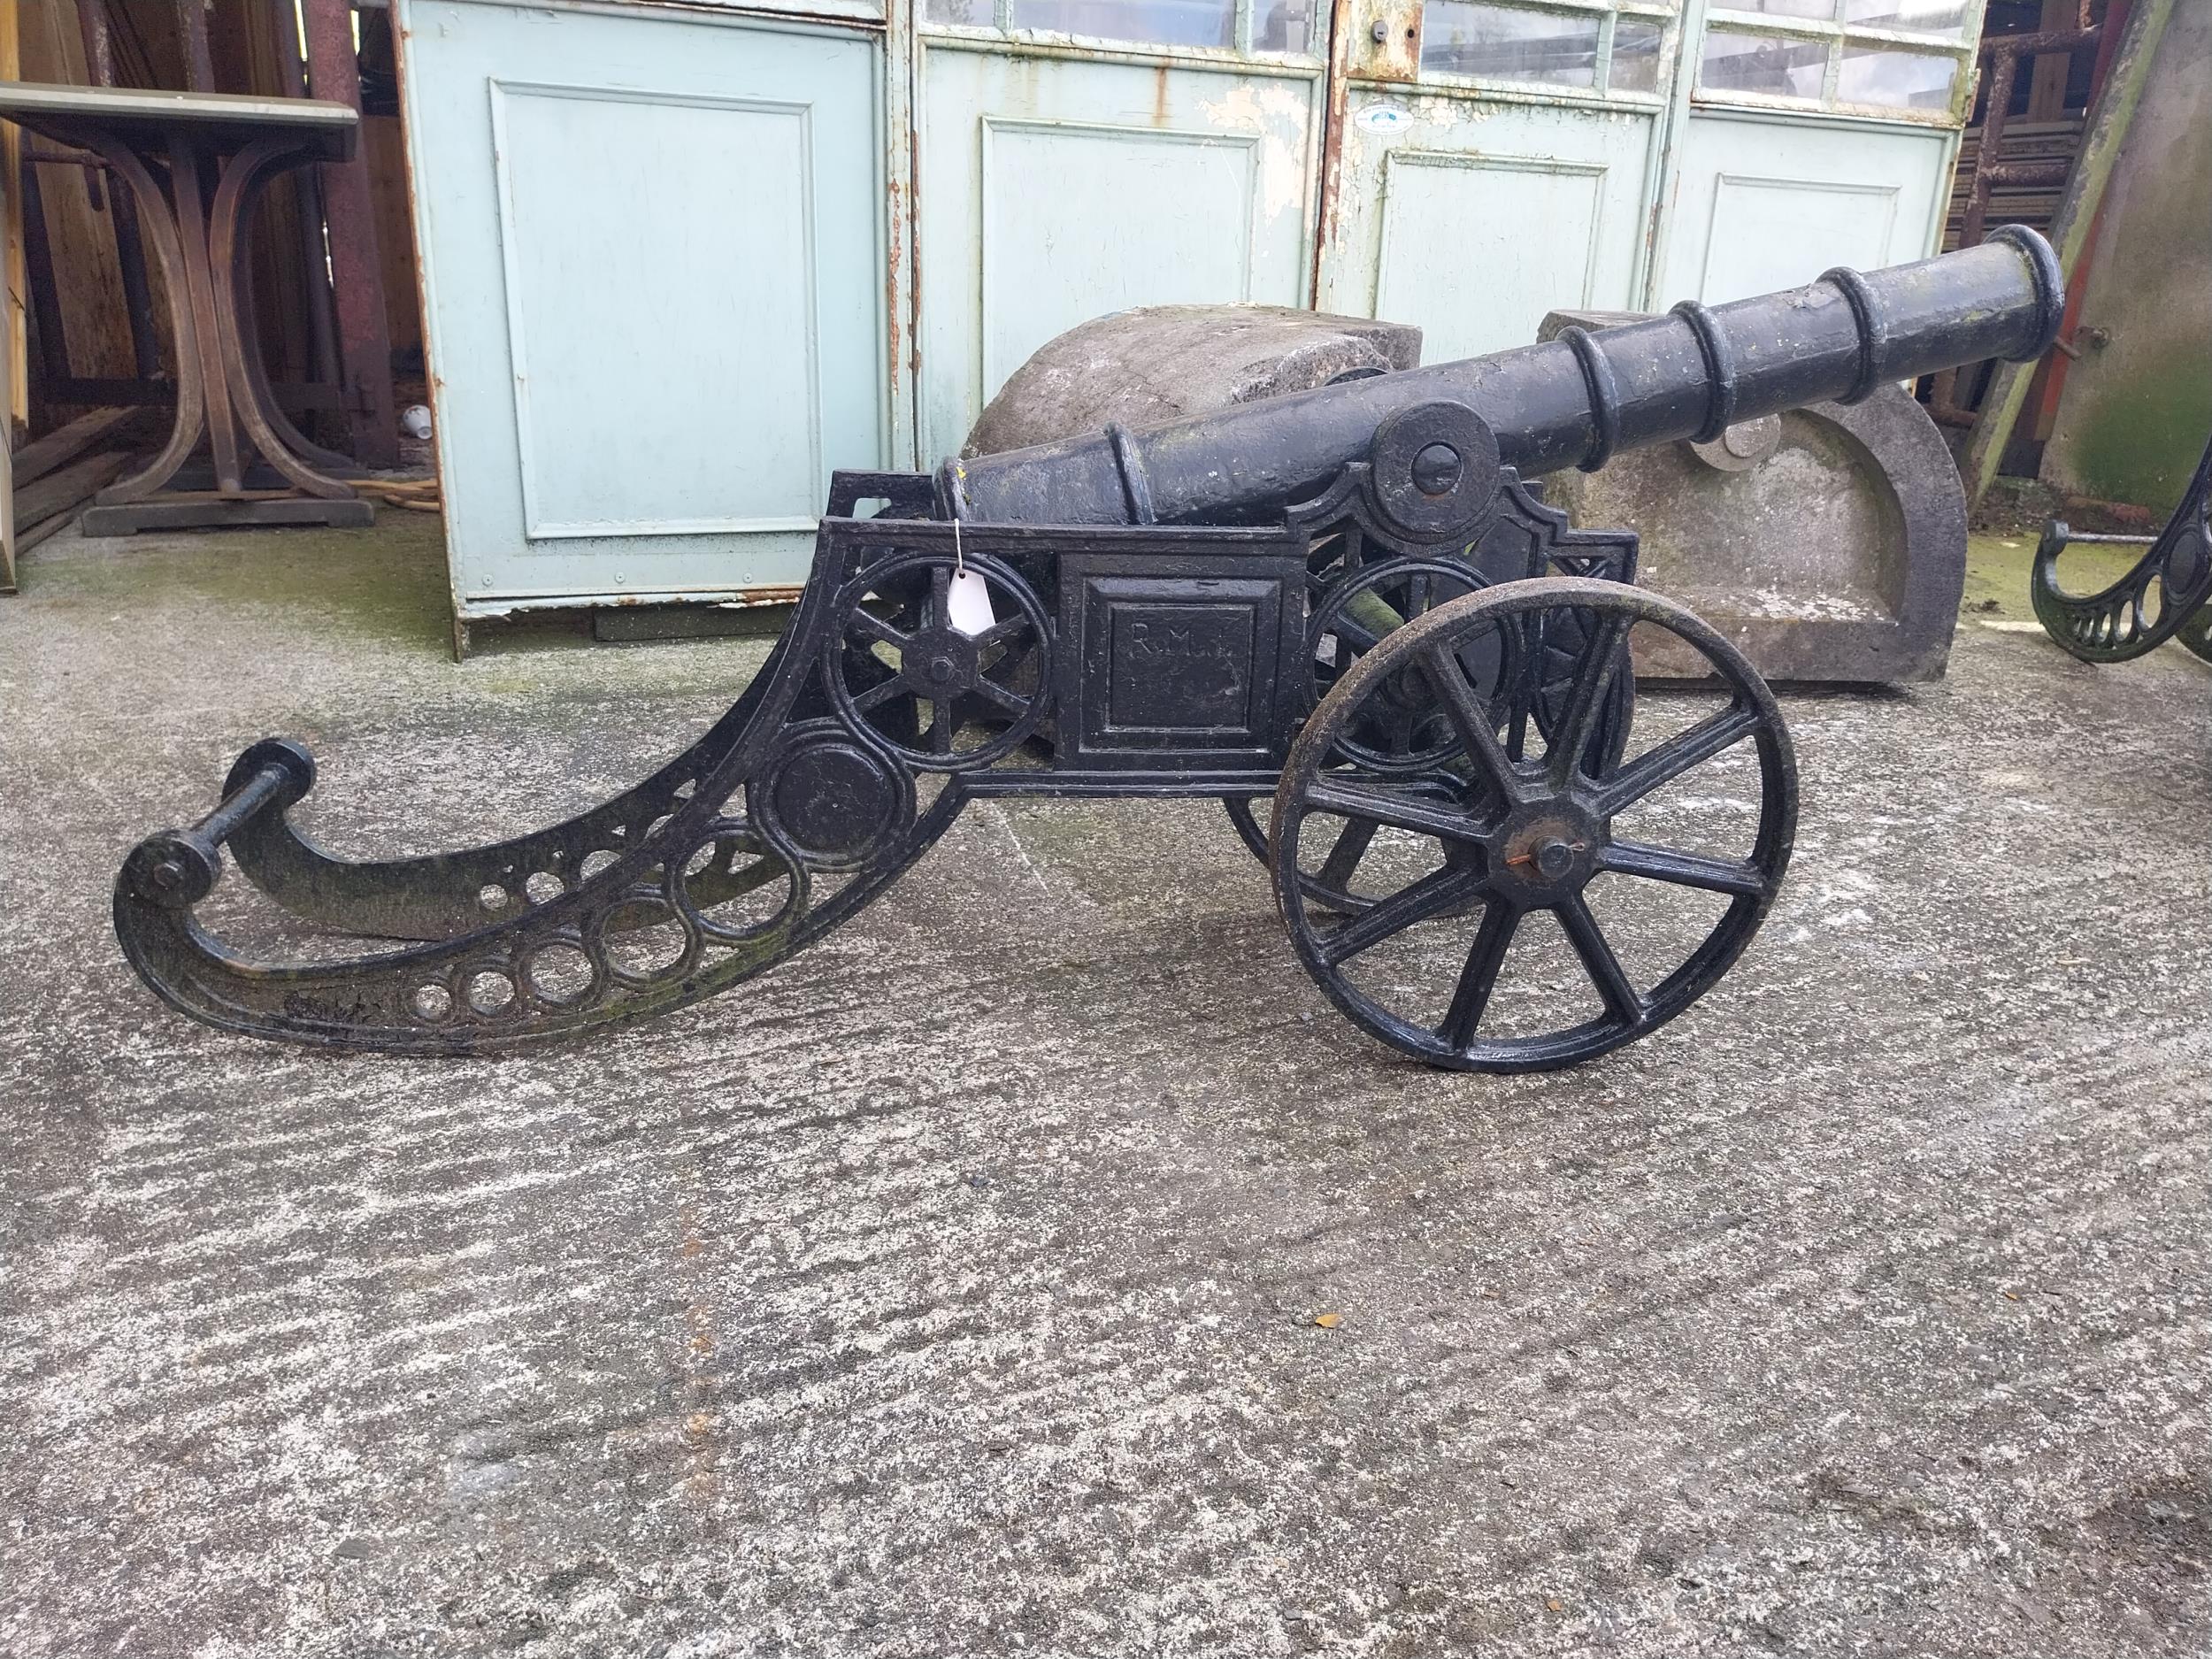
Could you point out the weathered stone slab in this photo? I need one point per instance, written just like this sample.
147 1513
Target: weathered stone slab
1828 543
1157 363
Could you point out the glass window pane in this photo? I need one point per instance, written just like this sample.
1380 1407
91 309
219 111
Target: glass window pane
1763 63
1165 23
1461 38
1904 80
1936 17
1286 26
1825 10
1635 56
977 14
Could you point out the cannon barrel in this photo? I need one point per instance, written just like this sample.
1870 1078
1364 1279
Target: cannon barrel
1570 402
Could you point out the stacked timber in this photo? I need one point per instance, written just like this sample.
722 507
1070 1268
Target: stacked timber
2033 205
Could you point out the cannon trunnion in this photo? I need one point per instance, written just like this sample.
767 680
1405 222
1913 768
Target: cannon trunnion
1487 853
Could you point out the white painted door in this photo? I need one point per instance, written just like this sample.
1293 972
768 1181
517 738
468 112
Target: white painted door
1815 133
652 270
1493 162
1078 157
1497 159
1766 202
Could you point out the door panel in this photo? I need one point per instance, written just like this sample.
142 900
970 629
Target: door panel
652 270
1767 202
1133 253
1493 162
1055 188
1472 221
568 158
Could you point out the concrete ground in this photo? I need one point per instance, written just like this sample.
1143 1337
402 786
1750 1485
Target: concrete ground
953 1289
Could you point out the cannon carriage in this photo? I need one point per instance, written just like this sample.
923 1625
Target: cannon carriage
1347 614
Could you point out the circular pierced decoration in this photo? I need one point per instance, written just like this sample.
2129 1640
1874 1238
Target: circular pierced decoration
1458 865
830 798
1401 728
1434 471
739 886
943 686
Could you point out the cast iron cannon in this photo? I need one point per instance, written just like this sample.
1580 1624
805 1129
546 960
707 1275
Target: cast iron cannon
1353 601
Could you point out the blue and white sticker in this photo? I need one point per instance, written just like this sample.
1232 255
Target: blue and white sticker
1382 119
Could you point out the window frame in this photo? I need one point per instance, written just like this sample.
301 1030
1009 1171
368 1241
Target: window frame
1962 46
1666 14
1002 32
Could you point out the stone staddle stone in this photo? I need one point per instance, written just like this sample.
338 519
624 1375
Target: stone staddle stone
1828 545
1159 363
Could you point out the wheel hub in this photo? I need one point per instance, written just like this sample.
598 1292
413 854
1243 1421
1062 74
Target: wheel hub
942 661
1546 849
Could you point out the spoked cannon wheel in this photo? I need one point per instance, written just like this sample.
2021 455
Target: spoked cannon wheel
1402 730
1689 836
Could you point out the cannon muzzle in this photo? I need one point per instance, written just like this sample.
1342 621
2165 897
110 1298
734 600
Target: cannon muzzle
1570 402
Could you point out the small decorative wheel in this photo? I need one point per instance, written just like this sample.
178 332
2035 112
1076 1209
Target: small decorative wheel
1648 891
904 673
1402 729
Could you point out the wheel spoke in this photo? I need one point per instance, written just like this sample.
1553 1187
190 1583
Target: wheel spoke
1416 595
1012 701
941 725
1470 720
1402 724
999 633
1662 764
1435 894
867 622
1516 732
1600 658
1683 870
1519 693
1400 811
1351 846
1358 637
1471 997
876 695
1598 960
941 595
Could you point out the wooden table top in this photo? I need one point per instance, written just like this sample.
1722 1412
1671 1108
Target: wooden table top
143 116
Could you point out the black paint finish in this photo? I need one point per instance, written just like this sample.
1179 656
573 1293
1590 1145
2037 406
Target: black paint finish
1352 604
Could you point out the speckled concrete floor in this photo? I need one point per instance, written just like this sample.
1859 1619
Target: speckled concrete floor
951 1291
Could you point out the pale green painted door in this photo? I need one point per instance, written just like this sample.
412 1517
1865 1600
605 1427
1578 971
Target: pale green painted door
1079 157
653 269
1814 133
1494 163
1501 158
1768 202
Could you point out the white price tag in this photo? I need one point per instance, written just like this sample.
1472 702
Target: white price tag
968 604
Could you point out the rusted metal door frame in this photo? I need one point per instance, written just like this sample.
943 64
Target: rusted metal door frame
902 295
